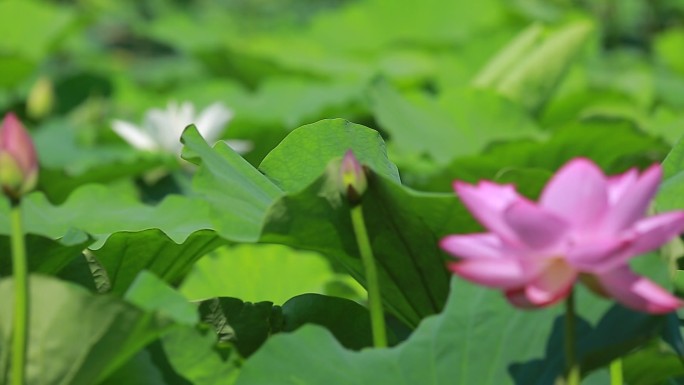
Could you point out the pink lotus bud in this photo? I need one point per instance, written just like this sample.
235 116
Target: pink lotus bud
353 177
18 159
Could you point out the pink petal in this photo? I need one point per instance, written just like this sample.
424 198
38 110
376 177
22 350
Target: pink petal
637 292
654 231
518 298
646 235
483 245
502 273
618 184
552 285
578 192
352 176
487 202
534 227
15 140
599 256
632 204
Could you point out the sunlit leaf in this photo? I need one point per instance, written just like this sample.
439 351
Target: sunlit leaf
257 273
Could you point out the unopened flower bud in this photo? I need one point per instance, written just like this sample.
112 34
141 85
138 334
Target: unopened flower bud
41 99
18 159
353 178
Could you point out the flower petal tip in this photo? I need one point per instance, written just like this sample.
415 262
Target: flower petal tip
353 177
18 158
459 186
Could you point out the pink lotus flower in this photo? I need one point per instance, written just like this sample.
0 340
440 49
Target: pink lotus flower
585 226
18 159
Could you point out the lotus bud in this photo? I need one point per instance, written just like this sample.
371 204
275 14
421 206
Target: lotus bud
41 99
353 178
18 159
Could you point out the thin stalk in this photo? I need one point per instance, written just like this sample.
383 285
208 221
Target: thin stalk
572 366
374 299
21 304
616 372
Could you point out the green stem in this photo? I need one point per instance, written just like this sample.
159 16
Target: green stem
20 273
374 299
616 372
573 369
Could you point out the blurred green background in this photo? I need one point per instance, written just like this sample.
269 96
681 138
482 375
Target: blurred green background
441 80
506 90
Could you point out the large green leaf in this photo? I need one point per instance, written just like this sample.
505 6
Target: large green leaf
248 325
245 324
129 236
238 194
404 225
101 212
182 353
124 255
75 337
348 321
147 367
616 333
44 255
474 341
150 293
303 155
193 354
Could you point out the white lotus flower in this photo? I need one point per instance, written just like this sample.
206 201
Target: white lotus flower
161 129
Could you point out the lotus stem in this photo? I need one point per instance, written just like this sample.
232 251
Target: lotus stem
374 298
616 372
21 300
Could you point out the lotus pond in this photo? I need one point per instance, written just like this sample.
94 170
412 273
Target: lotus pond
305 192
